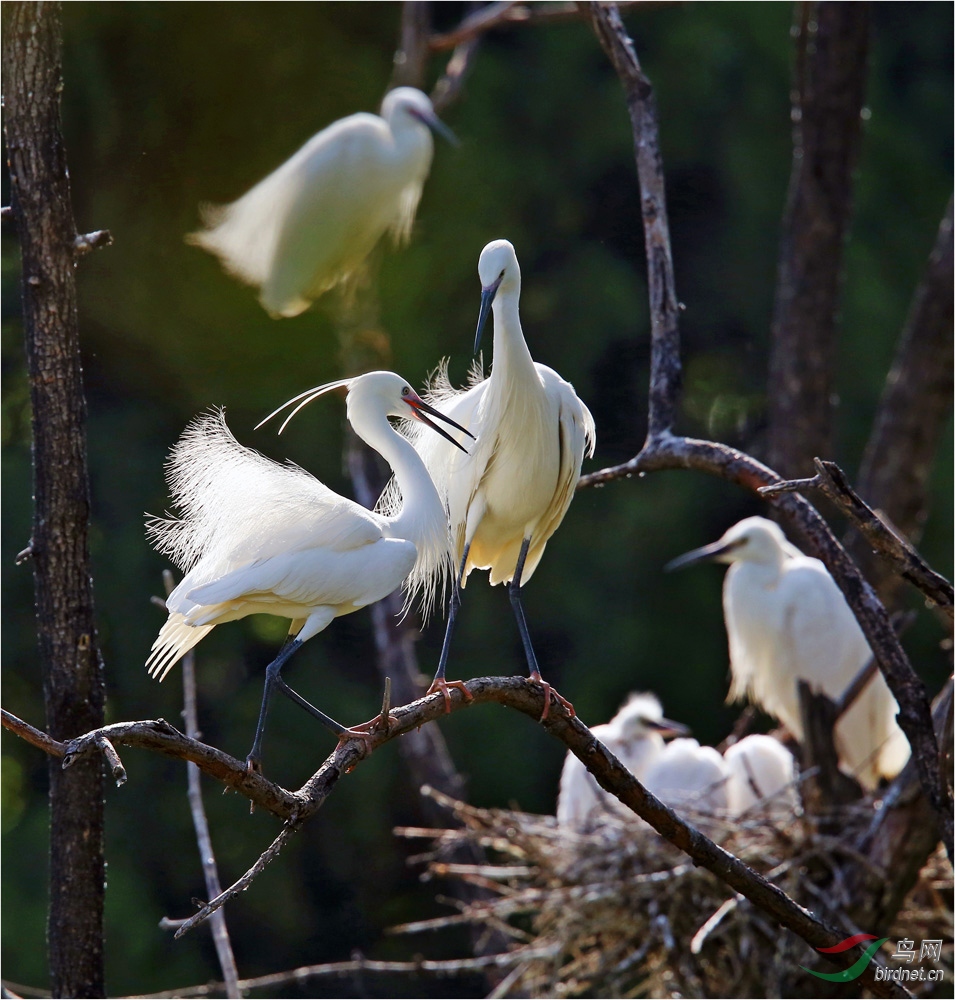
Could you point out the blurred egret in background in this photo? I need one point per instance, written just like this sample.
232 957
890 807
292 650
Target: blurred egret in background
255 536
787 619
686 775
506 497
635 736
311 223
762 775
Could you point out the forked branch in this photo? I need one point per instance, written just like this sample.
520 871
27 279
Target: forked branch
514 692
663 450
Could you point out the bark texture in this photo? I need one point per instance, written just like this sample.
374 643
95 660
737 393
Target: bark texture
828 92
72 669
915 405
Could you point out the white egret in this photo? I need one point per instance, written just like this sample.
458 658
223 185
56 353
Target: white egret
762 776
786 619
686 775
506 497
635 736
311 223
258 537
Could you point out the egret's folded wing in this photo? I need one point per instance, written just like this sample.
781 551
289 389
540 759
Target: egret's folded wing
310 578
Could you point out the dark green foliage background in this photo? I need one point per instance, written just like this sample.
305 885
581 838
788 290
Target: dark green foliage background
170 105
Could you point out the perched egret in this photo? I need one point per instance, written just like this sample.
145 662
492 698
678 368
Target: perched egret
635 736
311 223
762 776
506 497
258 537
786 619
686 775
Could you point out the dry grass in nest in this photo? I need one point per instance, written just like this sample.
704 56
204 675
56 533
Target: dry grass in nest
620 912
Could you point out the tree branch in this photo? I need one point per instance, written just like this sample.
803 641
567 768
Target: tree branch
671 452
207 858
833 483
411 59
662 450
665 371
517 693
828 94
916 401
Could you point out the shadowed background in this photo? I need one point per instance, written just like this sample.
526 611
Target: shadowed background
170 105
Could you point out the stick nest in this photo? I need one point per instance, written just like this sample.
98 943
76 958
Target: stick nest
620 912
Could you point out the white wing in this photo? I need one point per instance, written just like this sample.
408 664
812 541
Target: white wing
310 224
238 507
804 629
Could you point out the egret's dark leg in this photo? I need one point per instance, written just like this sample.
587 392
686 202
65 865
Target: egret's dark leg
439 683
514 592
274 679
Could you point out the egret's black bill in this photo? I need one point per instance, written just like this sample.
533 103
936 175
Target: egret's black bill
487 298
667 727
437 126
705 554
420 408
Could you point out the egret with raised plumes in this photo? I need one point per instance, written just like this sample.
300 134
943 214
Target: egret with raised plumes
635 737
254 536
311 223
787 620
508 494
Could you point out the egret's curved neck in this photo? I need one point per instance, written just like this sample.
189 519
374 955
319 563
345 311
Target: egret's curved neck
510 348
422 513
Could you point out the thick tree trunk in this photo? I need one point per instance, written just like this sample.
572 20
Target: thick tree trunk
916 402
69 655
828 93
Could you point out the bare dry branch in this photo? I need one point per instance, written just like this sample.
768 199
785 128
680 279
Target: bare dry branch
663 450
665 371
112 758
833 483
917 399
338 970
85 243
207 858
36 737
514 692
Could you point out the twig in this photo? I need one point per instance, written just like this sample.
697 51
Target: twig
445 92
210 871
833 483
36 737
423 967
265 859
699 938
386 701
498 15
112 758
85 243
